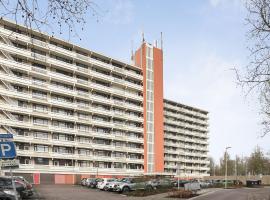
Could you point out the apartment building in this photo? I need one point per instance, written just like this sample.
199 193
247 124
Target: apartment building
185 140
73 111
69 109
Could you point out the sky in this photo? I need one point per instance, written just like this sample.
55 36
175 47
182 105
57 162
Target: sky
203 40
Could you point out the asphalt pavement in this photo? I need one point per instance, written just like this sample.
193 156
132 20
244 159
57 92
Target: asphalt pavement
237 194
66 192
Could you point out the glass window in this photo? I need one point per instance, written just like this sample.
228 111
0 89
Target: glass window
41 161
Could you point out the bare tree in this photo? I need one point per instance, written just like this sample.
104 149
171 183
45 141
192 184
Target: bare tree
256 76
54 15
258 162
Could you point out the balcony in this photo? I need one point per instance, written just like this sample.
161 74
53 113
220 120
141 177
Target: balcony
63 103
31 153
98 98
101 76
134 75
64 52
62 116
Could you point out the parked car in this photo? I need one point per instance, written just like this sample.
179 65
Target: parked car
181 183
133 184
110 185
103 182
83 181
162 183
203 184
29 188
92 182
8 194
88 181
6 183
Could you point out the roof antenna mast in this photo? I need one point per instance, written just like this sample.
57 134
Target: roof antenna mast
132 53
161 41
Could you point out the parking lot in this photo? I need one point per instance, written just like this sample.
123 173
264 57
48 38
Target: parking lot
64 192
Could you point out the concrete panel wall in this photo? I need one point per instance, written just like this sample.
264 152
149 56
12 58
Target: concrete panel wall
265 179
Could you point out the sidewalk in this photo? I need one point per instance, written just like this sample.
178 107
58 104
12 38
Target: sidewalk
164 196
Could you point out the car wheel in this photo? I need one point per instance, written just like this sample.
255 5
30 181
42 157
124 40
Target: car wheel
125 189
149 188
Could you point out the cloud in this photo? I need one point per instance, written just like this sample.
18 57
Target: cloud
215 3
120 12
208 83
219 3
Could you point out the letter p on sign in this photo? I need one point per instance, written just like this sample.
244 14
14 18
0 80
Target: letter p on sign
7 150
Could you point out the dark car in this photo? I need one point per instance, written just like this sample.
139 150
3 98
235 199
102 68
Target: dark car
29 187
8 194
6 183
181 183
92 182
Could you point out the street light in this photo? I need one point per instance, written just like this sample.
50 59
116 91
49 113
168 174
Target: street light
178 173
178 170
226 166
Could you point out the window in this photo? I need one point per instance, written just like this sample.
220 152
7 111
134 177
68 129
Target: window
64 150
83 128
101 130
41 148
83 139
39 94
41 135
18 45
118 165
39 65
41 161
62 59
38 52
38 38
25 160
83 116
62 85
18 88
84 163
100 59
82 65
101 141
22 103
84 151
40 121
38 81
40 107
63 137
22 146
22 132
63 124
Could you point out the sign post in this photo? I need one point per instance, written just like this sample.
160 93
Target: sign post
7 152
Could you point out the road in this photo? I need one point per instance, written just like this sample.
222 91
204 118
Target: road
73 192
237 194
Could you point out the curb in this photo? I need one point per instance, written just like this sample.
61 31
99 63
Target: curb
210 192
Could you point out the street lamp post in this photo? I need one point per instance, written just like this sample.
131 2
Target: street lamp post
178 174
178 171
226 166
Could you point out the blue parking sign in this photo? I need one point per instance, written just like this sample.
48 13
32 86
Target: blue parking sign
7 150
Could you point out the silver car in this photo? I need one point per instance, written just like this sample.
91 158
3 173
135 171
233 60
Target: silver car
132 184
110 185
